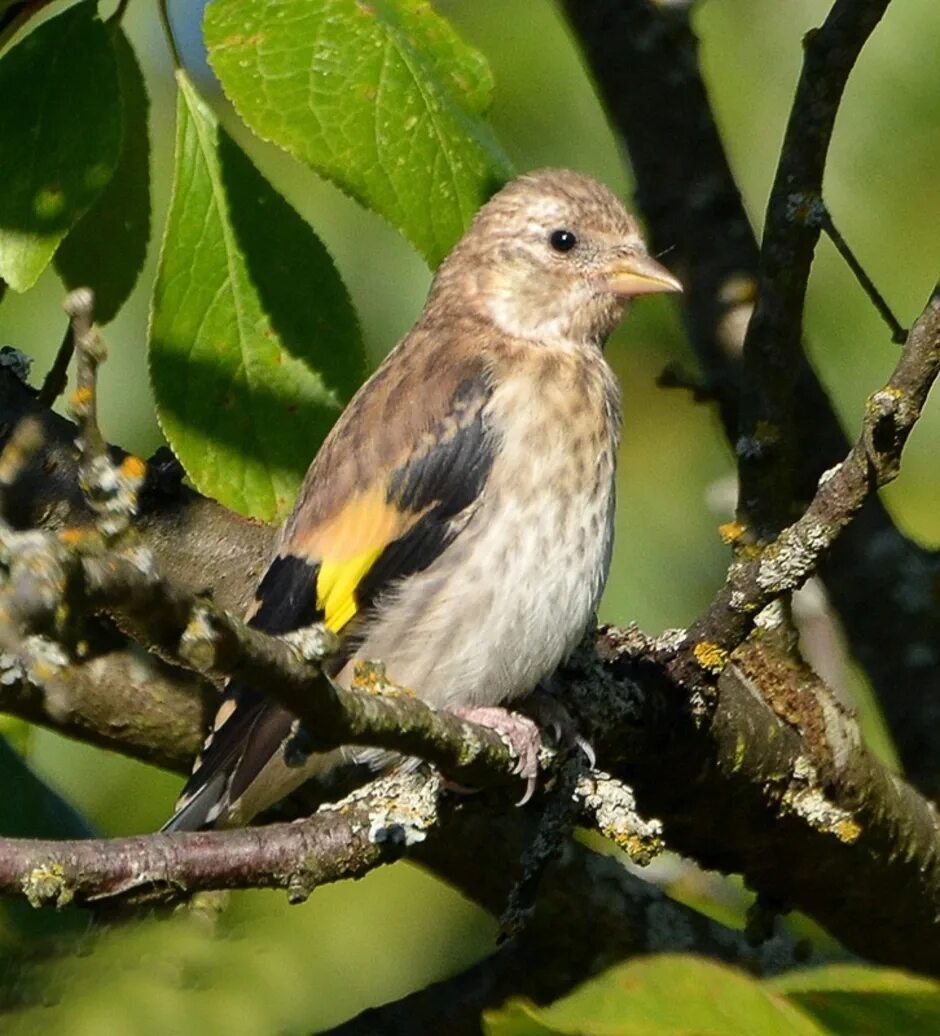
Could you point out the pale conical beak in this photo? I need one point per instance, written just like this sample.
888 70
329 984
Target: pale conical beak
635 273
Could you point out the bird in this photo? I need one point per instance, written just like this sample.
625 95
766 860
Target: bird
456 524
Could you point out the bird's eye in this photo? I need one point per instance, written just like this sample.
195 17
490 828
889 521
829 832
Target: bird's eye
562 240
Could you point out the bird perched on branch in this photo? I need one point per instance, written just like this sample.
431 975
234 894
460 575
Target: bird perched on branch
456 524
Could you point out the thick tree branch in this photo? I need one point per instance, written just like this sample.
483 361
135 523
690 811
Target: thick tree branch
120 698
774 782
643 56
738 772
48 577
55 580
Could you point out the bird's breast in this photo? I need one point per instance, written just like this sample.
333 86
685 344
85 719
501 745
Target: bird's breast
512 595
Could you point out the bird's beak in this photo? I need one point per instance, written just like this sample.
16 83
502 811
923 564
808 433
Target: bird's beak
635 273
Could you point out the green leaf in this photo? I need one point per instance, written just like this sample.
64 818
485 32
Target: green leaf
17 733
59 141
854 999
29 808
667 995
381 96
106 248
254 344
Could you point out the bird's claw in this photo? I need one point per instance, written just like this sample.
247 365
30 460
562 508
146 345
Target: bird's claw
551 715
522 734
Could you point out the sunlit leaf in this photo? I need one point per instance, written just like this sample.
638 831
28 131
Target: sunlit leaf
382 97
853 999
666 995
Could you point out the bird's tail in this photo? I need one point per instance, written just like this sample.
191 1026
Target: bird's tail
249 730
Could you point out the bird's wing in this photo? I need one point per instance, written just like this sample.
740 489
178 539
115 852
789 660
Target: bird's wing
384 497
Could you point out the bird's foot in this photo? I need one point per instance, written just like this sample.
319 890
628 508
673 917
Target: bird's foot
549 713
522 733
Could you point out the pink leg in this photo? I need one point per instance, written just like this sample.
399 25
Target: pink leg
522 733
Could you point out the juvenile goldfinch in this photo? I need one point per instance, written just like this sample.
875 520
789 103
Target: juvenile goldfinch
456 524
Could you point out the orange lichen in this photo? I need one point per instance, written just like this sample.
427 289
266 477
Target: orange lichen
710 656
82 397
847 831
730 532
133 467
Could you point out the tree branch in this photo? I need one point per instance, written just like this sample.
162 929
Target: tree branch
758 576
757 782
297 857
49 577
591 912
643 56
773 350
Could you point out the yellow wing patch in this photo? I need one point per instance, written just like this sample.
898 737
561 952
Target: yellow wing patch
347 545
336 587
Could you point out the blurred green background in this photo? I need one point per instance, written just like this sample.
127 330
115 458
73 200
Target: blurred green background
294 969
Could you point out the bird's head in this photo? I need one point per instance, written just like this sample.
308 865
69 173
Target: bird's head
553 257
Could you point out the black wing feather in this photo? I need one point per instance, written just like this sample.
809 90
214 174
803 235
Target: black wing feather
439 482
443 481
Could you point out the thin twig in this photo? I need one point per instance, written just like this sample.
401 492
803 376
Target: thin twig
19 450
80 308
898 333
296 857
57 377
168 33
79 305
118 16
111 489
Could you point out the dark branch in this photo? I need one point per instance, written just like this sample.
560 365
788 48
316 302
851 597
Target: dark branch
644 58
758 576
773 350
760 782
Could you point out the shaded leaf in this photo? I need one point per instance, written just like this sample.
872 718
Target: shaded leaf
382 97
854 1000
106 248
254 344
667 995
266 968
29 808
59 141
